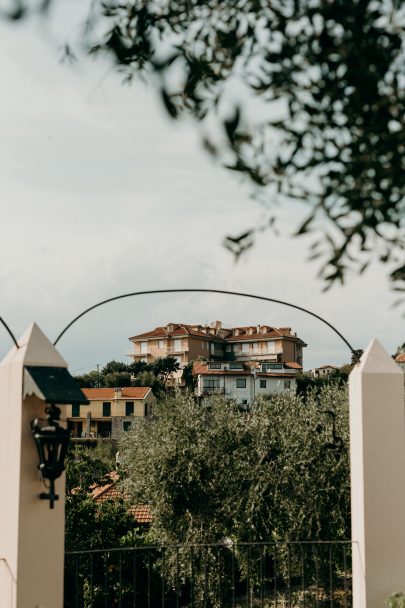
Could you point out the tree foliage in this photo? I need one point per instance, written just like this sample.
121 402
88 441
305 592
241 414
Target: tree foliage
326 79
148 378
165 367
331 77
90 524
118 379
188 378
306 383
90 380
138 373
213 472
87 466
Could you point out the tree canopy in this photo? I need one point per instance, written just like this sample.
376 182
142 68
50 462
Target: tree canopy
90 524
212 472
325 80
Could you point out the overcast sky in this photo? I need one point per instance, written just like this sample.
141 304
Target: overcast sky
101 194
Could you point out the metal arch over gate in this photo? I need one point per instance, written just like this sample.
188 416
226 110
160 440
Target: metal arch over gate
201 290
355 353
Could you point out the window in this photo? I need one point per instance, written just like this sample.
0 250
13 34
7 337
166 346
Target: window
126 425
244 401
236 366
271 347
213 383
106 409
144 347
263 383
255 347
245 347
129 408
76 410
215 366
161 344
287 384
177 344
240 382
266 367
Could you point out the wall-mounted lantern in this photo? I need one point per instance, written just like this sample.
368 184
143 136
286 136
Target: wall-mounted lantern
54 385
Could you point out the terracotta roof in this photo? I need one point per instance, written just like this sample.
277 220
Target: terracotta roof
257 337
128 392
183 329
110 491
179 329
293 365
141 514
400 358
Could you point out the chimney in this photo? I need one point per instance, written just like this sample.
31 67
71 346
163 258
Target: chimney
118 392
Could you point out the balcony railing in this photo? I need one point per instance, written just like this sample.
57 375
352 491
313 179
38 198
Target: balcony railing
268 575
220 390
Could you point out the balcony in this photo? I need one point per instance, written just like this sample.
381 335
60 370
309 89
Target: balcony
172 350
253 356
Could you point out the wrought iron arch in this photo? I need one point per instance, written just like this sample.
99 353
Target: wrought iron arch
201 290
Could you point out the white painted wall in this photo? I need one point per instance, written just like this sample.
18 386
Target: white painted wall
31 534
227 386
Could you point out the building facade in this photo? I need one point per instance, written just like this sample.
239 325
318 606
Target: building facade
215 343
242 382
323 371
240 362
110 412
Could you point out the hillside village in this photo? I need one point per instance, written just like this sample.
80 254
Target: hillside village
240 363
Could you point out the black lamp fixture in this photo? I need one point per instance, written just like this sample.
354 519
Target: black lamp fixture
52 441
54 385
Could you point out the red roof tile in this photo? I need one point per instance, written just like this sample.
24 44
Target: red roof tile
128 392
292 365
141 514
110 491
400 358
179 329
183 329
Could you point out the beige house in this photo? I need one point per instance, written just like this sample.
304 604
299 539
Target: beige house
323 371
261 343
111 411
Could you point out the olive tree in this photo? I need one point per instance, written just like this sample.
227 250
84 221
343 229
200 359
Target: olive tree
213 473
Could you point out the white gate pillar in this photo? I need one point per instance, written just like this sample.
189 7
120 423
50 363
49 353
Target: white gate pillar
31 534
377 457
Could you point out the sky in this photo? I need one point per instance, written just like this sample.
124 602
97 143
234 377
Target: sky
102 194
